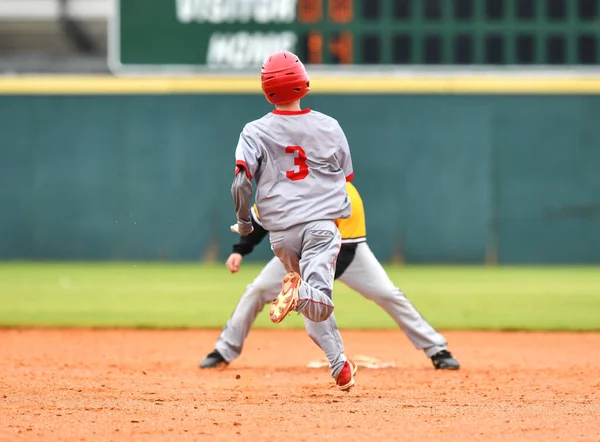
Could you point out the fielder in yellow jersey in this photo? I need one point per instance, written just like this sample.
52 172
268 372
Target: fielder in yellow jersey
356 267
353 229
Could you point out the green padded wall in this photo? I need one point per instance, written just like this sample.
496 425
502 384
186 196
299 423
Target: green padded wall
444 178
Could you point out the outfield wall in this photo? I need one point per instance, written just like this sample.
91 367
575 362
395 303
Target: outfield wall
449 170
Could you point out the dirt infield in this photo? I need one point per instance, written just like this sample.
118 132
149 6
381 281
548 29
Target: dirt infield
145 385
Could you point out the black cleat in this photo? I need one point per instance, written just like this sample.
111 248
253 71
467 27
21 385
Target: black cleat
443 360
214 360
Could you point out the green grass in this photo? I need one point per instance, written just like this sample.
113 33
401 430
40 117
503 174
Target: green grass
203 296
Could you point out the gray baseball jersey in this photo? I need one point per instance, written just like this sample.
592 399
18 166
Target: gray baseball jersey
300 161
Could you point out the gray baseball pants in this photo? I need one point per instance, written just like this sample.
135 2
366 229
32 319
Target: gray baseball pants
365 275
311 250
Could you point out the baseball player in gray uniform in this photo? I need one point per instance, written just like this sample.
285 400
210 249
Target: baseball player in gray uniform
357 267
300 162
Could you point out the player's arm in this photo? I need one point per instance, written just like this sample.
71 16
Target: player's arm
247 160
246 244
241 190
344 156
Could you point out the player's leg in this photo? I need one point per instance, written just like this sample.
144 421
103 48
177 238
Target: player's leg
312 293
327 336
366 275
259 292
321 247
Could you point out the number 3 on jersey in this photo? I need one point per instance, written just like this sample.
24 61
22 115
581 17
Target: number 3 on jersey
299 161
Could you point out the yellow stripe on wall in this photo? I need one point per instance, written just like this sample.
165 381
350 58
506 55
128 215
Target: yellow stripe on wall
112 85
93 85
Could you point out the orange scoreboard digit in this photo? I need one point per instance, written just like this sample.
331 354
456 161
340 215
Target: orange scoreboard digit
329 38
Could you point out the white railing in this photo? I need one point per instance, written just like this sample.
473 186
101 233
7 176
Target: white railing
49 9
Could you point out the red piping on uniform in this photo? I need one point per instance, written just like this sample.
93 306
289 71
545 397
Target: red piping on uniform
240 164
289 112
350 177
316 302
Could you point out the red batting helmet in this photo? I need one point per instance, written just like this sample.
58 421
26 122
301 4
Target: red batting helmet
284 78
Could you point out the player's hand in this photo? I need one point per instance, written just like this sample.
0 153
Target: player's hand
242 227
233 262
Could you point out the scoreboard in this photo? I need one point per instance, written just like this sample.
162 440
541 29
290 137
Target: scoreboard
230 34
236 35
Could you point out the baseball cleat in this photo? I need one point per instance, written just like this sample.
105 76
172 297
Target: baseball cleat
214 360
443 360
287 300
345 378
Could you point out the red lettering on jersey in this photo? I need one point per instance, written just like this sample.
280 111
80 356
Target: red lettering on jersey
299 161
